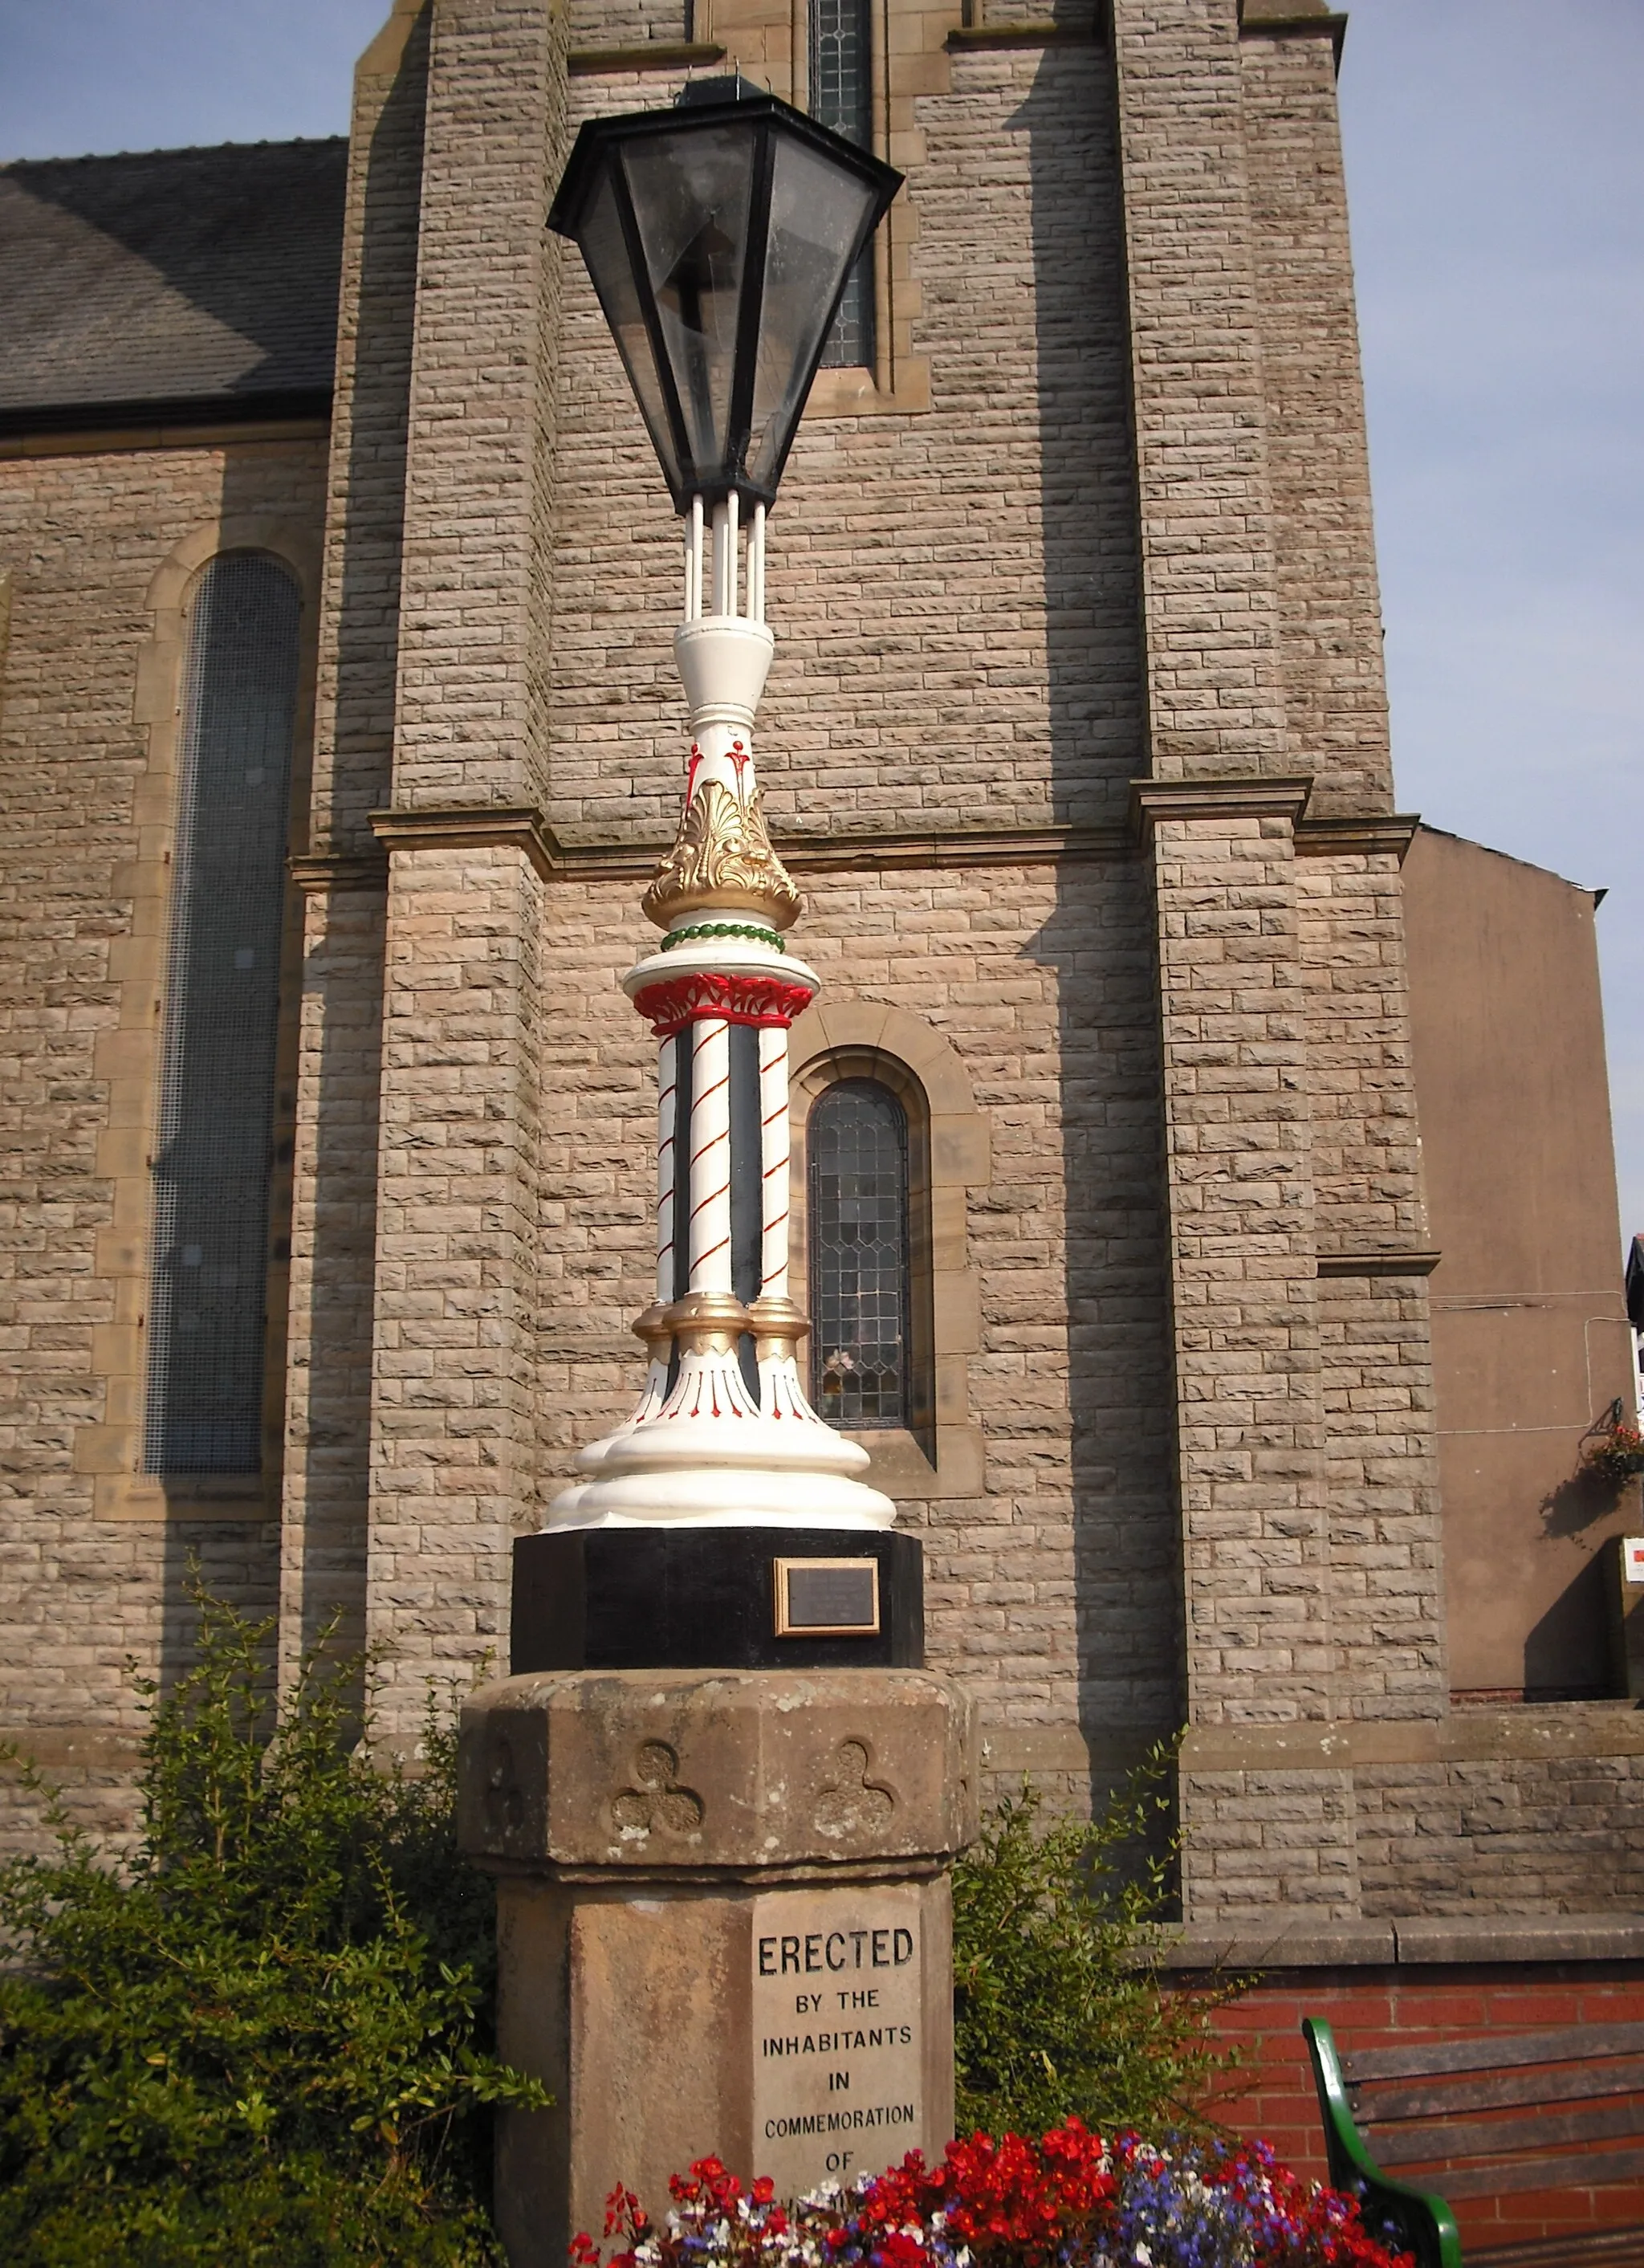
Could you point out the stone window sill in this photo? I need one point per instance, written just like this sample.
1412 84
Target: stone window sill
855 392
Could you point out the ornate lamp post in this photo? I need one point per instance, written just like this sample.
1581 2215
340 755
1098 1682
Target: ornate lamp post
719 237
722 1912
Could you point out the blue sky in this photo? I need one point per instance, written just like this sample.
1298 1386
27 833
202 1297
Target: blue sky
1496 171
1495 168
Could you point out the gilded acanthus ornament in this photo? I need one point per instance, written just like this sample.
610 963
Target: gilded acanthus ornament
722 857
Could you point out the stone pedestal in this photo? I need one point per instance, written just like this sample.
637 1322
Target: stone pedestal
724 1925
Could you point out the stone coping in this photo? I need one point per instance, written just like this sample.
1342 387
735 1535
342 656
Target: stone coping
524 826
1284 1941
1528 1732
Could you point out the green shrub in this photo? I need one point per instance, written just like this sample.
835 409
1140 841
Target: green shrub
1058 2006
267 2037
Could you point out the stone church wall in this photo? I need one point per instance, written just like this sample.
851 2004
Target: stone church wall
101 544
1076 742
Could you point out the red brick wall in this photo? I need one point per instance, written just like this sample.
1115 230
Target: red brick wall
1274 2095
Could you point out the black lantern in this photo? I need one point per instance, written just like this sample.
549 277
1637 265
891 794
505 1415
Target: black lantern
719 237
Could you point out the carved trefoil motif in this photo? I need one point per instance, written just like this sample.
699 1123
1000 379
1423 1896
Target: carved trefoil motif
655 1801
848 1802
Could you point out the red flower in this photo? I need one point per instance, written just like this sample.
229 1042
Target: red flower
624 2215
1017 2203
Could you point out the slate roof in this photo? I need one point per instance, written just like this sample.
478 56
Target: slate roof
169 284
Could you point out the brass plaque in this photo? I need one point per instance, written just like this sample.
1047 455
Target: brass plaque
827 1598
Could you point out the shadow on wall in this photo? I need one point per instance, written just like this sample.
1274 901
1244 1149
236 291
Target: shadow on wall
1563 1635
1577 1503
1099 940
330 1406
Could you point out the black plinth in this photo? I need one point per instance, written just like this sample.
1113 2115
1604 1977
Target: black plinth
710 1598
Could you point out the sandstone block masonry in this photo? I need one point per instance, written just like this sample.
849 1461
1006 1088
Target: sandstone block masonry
1076 740
100 542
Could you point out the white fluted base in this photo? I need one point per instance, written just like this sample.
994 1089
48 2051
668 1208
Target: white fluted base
709 1457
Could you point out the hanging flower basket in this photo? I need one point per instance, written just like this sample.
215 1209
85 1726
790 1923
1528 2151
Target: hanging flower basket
1069 2200
1617 1454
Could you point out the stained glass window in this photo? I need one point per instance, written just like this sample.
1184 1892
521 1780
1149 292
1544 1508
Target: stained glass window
212 1156
858 1244
841 97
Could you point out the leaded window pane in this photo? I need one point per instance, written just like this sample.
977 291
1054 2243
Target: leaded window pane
841 97
210 1272
858 1244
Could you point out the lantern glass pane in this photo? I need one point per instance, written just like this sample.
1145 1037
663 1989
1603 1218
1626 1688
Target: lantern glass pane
606 252
691 193
819 215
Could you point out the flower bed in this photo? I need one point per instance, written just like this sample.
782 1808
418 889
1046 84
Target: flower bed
1069 2200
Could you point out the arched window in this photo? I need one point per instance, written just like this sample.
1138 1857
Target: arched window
881 1096
206 1323
860 1291
841 78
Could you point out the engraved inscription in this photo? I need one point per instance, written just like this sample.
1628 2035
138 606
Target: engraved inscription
848 1802
656 1799
838 2034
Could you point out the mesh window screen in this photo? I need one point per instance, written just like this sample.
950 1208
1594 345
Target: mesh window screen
205 1314
842 96
857 1243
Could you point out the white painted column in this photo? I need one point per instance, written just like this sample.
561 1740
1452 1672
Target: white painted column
705 1450
667 1096
773 1160
709 1040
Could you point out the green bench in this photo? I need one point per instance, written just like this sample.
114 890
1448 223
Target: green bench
1535 2111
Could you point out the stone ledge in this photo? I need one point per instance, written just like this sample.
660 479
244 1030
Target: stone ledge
1533 1732
1357 837
1531 1937
487 826
1284 1942
969 39
479 825
339 871
1250 795
71 1748
1378 1263
958 846
1574 1729
1293 20
649 55
1405 1941
1029 1749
